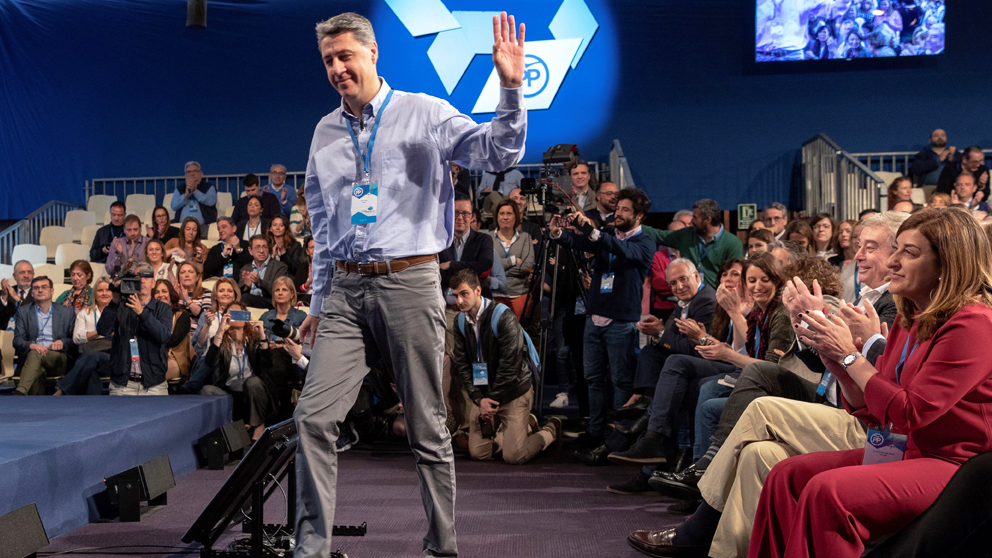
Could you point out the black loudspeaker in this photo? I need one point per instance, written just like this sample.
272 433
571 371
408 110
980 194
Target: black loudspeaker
231 438
196 14
23 533
147 482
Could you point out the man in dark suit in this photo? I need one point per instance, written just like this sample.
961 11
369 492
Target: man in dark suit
42 338
107 233
230 251
270 203
469 250
257 278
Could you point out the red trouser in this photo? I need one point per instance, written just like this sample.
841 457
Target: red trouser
828 504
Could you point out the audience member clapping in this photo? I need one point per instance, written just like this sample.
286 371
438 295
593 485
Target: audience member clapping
128 249
155 257
302 227
178 343
972 162
187 247
196 198
965 193
81 294
107 233
192 295
160 228
759 241
229 255
283 192
257 278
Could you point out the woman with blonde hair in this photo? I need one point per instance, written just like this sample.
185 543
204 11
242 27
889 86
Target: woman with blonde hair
284 306
225 293
932 384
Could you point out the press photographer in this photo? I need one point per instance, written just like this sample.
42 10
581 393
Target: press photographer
139 355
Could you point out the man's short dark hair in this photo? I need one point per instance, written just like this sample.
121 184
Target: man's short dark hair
262 237
465 276
779 207
52 285
119 204
132 218
972 149
638 200
868 211
250 180
462 197
229 221
709 208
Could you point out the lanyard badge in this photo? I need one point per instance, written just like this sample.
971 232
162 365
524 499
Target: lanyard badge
365 194
883 446
134 351
606 283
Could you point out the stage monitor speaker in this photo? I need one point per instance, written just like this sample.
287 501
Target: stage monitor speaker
149 481
228 439
23 533
196 14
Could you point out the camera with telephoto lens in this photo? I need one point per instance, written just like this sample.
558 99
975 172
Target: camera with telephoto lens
285 331
548 193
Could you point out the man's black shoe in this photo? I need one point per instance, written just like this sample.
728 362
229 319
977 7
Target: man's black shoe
647 451
635 410
684 507
678 485
595 456
659 543
637 485
682 460
589 441
633 431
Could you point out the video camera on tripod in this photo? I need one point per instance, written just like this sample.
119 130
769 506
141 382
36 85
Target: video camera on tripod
545 189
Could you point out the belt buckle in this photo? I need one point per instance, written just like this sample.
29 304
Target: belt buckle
369 269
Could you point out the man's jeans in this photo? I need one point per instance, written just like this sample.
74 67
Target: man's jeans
608 349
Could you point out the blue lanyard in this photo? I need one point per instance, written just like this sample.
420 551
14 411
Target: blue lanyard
857 286
253 232
704 247
127 253
506 251
757 335
375 128
730 333
42 326
242 361
478 338
186 248
902 359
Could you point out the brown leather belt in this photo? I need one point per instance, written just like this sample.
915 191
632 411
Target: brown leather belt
370 269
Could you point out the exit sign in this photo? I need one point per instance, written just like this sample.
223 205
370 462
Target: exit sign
746 214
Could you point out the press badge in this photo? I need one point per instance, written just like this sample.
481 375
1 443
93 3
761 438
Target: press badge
606 285
193 207
11 323
480 374
134 350
884 446
229 270
364 203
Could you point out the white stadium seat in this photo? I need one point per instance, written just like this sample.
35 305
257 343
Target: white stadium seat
99 270
51 237
212 233
138 204
54 272
88 234
7 348
59 288
167 202
224 200
99 205
65 254
34 253
78 219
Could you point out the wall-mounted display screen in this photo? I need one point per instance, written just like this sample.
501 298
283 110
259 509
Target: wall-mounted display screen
795 30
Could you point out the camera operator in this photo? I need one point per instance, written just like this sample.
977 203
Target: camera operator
139 355
495 371
284 300
622 257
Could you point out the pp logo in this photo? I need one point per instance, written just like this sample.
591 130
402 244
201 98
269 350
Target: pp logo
535 76
877 439
360 191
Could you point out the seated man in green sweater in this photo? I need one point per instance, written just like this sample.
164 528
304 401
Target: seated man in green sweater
705 243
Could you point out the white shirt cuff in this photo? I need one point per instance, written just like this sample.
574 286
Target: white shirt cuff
871 341
302 362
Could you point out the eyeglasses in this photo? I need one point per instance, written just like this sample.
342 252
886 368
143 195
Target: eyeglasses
463 214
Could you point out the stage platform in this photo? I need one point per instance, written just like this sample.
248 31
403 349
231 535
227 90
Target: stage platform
56 451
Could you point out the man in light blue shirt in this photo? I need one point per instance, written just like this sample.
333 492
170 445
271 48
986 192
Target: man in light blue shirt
381 203
508 181
197 198
278 188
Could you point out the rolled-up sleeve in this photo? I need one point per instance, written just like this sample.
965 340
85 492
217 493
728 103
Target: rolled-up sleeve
491 146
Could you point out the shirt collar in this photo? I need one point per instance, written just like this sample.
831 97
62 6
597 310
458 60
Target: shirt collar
372 108
873 294
478 315
629 234
264 264
715 237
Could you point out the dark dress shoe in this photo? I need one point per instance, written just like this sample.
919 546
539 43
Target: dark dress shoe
683 507
633 411
588 441
659 543
595 456
647 451
636 485
634 430
682 460
682 486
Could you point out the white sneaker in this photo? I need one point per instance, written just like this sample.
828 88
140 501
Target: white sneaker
561 401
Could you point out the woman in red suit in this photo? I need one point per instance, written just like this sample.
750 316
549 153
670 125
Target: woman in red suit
933 383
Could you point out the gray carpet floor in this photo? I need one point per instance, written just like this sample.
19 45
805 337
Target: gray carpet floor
548 508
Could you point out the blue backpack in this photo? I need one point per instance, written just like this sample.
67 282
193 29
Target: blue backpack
533 359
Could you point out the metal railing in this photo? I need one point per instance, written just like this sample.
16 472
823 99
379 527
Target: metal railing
835 182
28 230
619 169
897 161
159 186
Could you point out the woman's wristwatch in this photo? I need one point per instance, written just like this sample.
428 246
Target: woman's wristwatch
848 360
